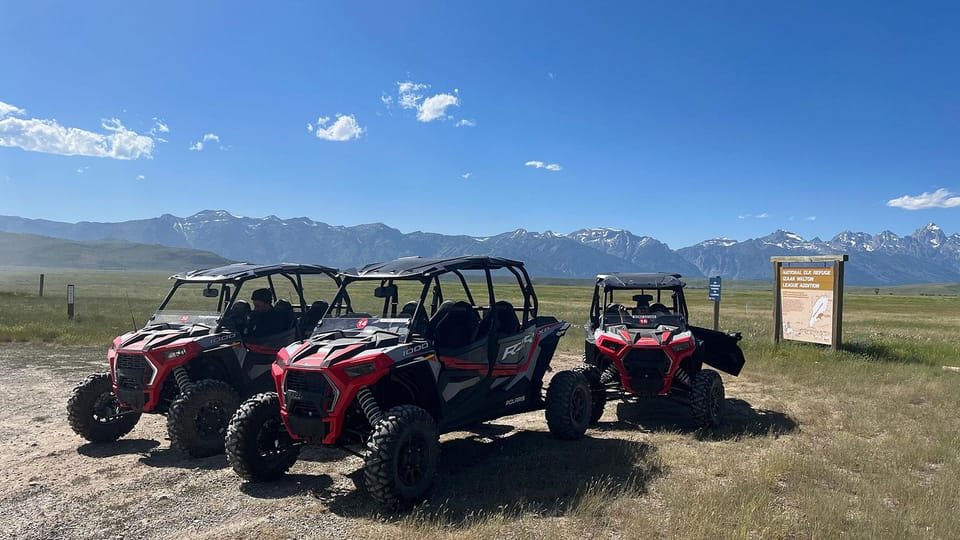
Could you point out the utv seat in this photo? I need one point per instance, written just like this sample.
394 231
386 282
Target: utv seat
454 325
308 321
285 314
659 308
613 313
285 319
418 325
236 318
408 309
501 321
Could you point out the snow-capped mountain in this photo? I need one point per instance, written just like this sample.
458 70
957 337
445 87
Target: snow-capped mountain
927 255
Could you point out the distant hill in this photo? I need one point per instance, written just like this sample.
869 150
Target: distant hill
928 255
43 251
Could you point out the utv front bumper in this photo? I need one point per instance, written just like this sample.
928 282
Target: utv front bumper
132 374
308 398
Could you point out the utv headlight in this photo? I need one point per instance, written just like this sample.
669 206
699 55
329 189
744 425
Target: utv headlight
681 346
360 369
173 354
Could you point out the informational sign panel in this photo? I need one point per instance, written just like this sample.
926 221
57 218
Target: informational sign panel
713 289
806 303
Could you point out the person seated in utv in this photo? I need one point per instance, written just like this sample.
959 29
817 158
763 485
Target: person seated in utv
267 319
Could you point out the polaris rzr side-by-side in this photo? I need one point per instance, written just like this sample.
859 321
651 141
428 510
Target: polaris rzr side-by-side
199 355
408 354
639 344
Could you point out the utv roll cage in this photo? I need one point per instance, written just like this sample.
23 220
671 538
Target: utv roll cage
430 272
236 274
654 282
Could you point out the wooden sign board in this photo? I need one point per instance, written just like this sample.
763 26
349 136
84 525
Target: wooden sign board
808 299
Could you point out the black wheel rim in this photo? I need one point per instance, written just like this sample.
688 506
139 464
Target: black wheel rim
106 408
580 404
211 420
412 460
272 440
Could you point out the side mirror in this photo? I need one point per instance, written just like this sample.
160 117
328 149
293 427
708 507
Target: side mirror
387 291
210 293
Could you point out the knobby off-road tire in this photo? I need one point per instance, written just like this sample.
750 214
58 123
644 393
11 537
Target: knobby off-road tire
569 404
94 412
706 399
258 445
598 394
402 455
197 421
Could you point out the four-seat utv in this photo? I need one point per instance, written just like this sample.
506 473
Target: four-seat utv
196 358
639 344
394 375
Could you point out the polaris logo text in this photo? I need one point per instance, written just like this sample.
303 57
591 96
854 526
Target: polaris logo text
514 401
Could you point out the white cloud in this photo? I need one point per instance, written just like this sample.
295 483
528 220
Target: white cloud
49 137
9 110
82 170
541 165
465 123
344 128
141 177
408 94
811 218
386 100
309 127
159 127
940 198
436 107
762 215
207 137
466 175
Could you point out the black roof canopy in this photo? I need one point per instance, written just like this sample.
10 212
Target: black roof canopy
245 271
657 280
412 267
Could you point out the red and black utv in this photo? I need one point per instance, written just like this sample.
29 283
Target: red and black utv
639 344
197 357
394 375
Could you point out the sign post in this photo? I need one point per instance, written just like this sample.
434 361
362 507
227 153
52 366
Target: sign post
808 299
41 285
713 293
70 302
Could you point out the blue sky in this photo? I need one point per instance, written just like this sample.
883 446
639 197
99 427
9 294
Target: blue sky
679 120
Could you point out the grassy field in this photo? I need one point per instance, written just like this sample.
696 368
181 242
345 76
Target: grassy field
861 442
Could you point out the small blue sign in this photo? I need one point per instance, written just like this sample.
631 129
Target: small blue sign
713 290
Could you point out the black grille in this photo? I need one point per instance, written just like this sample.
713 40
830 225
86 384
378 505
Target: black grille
301 381
646 369
131 361
132 371
308 393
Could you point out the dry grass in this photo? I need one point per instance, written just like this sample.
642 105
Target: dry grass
860 443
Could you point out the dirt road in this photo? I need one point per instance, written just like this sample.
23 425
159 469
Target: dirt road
55 485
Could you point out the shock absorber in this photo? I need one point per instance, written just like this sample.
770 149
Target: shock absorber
369 406
682 376
183 379
609 375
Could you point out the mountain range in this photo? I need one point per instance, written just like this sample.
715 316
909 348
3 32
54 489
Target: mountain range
928 255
